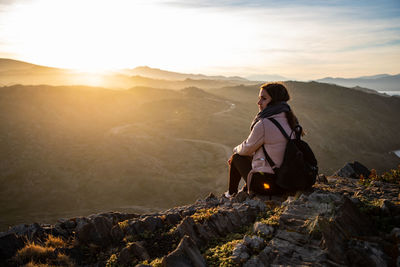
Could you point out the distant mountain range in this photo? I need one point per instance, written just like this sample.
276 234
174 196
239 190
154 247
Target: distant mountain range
266 77
17 72
159 74
380 82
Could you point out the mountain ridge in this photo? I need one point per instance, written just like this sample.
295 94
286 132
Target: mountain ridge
380 82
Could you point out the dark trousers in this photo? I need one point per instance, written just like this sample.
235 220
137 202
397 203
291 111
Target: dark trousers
261 183
239 168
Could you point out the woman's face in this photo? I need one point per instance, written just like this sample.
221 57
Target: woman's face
263 99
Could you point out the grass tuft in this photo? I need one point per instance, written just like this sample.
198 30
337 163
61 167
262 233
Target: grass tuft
34 253
55 242
271 217
202 215
392 176
37 255
220 255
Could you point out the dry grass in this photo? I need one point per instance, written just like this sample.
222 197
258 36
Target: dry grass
40 256
55 242
32 264
34 253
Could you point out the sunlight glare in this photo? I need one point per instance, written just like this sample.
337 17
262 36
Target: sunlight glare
105 35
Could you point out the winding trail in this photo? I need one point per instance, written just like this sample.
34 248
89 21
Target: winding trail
228 150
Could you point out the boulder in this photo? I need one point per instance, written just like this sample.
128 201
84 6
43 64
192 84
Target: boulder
131 252
97 231
253 242
240 253
353 170
186 254
263 229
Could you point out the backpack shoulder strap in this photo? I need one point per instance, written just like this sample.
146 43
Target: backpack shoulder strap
277 124
268 158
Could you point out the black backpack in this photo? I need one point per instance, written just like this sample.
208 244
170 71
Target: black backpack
299 168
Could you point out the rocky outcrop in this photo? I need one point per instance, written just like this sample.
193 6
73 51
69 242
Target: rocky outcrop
339 222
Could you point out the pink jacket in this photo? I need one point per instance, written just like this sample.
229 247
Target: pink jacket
265 132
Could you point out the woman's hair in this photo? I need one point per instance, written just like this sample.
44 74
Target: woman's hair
279 93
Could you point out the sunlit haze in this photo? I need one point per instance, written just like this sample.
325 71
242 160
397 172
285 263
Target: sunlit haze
295 39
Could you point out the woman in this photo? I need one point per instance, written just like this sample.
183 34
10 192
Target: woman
249 160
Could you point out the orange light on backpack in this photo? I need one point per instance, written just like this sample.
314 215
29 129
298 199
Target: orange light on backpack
266 186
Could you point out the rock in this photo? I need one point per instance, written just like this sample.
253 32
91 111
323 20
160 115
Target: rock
346 171
256 204
187 227
240 253
185 255
294 249
102 233
396 234
206 231
131 252
221 223
386 206
353 170
234 218
262 228
172 218
362 253
240 196
361 169
31 231
254 242
254 261
211 197
82 230
10 243
117 234
321 178
152 223
97 231
266 256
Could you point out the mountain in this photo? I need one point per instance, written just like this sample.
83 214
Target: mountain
17 72
266 77
75 150
153 73
374 76
381 82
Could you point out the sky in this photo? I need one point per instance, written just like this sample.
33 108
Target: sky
297 39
